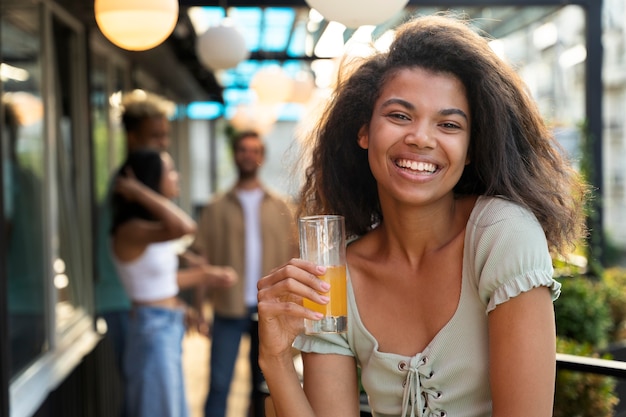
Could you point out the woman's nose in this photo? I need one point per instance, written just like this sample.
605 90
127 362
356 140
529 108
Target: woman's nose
420 135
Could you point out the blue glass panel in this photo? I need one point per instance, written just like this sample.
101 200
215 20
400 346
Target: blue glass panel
230 111
277 28
297 46
240 76
236 96
248 21
212 15
289 112
204 110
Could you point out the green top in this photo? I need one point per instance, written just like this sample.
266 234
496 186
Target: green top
505 254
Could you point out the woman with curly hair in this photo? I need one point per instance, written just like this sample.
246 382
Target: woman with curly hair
455 194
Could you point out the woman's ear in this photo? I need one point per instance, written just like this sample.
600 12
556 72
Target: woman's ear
364 141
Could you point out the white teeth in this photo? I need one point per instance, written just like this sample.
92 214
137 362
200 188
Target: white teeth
417 166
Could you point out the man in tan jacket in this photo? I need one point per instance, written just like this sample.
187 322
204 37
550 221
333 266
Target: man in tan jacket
253 230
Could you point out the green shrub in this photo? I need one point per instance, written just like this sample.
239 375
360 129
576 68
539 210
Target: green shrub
580 394
590 314
582 313
614 283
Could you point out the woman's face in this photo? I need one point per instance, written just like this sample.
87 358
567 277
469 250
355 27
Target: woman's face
153 133
169 177
418 136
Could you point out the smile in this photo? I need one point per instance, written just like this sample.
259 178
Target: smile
423 167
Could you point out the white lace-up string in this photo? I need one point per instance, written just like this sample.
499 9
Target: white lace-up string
412 397
415 396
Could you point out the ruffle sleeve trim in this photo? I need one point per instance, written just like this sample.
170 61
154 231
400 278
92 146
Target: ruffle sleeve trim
326 344
523 284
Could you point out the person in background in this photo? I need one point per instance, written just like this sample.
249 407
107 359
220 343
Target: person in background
251 229
146 224
455 195
145 118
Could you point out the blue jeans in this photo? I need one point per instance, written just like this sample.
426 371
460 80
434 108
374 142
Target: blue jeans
226 336
153 363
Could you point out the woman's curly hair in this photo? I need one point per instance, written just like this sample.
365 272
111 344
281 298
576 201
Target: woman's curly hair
513 153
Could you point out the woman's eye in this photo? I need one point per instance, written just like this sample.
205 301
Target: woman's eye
399 116
449 125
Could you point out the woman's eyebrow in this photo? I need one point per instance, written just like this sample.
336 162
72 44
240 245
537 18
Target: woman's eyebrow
446 112
410 106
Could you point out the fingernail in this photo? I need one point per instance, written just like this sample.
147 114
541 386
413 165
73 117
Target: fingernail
324 299
325 285
321 269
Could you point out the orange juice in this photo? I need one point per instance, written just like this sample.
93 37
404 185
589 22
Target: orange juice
338 305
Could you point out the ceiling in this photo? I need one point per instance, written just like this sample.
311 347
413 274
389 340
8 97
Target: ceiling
277 33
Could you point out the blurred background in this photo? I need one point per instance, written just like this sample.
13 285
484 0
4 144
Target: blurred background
267 65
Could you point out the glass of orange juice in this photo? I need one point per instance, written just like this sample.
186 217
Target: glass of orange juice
323 241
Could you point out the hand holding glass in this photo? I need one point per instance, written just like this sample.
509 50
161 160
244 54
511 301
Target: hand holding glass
323 242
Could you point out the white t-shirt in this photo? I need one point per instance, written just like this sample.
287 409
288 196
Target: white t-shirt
251 202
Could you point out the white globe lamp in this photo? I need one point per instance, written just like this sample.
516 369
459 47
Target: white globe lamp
355 13
136 25
303 87
221 47
272 85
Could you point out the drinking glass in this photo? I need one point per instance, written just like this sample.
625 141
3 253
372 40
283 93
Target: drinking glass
323 241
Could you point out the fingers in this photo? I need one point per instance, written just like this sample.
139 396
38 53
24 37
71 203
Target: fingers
220 276
280 307
204 328
304 271
284 289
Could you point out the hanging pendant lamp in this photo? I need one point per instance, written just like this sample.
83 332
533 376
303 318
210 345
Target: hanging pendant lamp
136 25
355 13
221 46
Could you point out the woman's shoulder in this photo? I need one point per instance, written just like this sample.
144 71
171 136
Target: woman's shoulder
499 222
491 210
499 228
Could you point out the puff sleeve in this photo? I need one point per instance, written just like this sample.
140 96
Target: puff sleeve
508 253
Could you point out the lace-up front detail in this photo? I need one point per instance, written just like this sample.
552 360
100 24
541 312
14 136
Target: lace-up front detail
417 395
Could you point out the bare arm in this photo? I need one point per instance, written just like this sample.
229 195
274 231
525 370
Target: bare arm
206 275
330 381
522 346
190 258
171 221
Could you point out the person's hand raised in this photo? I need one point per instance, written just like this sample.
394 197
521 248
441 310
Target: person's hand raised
128 186
281 314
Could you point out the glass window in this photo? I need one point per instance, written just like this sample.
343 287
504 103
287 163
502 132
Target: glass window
46 205
108 82
71 272
23 161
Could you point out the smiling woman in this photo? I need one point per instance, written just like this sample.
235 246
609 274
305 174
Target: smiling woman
454 215
55 355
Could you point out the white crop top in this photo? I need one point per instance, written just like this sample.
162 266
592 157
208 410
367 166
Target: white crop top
152 276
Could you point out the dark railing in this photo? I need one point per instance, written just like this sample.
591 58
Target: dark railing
591 365
564 361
